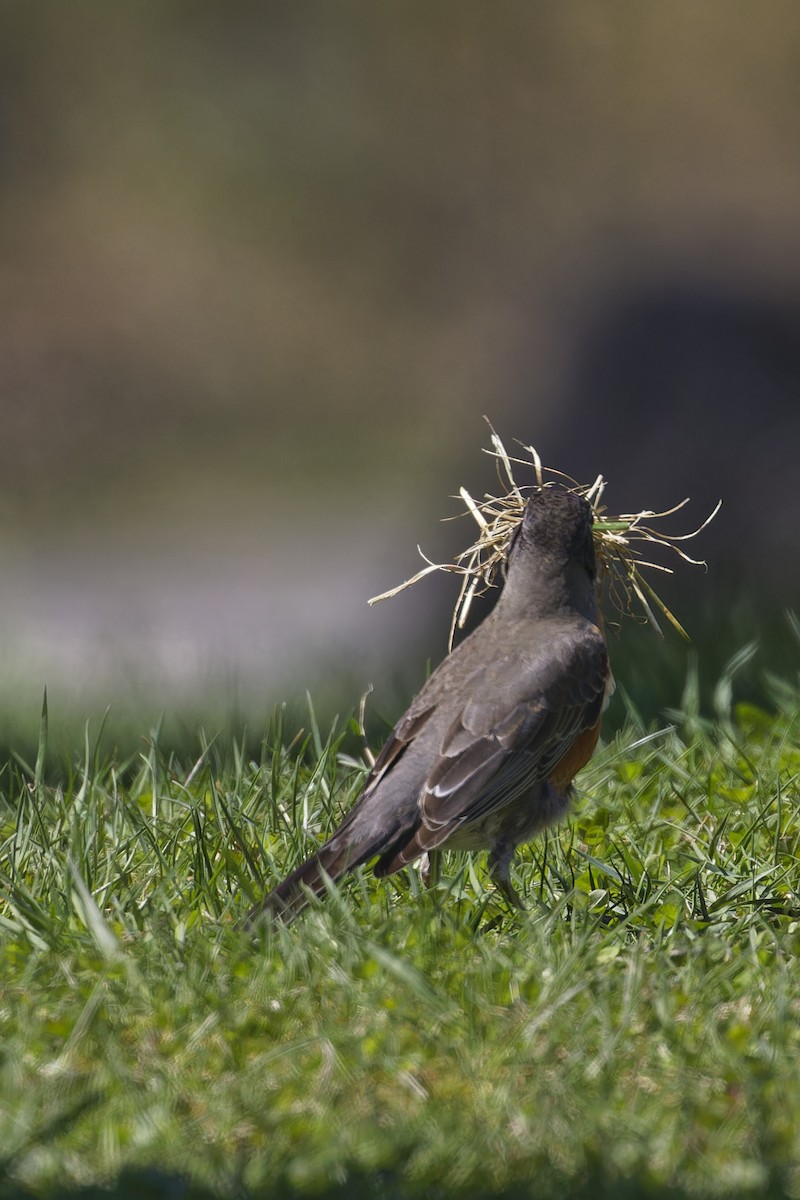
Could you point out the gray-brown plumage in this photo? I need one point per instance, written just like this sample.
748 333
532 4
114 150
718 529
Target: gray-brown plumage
485 755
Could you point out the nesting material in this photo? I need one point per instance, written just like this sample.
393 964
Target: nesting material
621 543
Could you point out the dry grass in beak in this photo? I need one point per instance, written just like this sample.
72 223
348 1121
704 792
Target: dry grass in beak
619 542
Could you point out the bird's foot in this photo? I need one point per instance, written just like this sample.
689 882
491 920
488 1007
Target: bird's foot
430 866
500 861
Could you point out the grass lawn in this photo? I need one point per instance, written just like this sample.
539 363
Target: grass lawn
636 1032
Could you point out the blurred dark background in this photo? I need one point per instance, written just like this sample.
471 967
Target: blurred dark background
263 267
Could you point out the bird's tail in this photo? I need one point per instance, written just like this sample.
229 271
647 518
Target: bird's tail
292 895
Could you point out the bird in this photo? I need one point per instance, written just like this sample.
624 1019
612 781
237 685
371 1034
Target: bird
485 755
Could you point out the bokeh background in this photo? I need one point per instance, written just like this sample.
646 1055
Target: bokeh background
263 267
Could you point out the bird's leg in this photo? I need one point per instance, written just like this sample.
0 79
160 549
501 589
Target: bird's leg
500 860
430 866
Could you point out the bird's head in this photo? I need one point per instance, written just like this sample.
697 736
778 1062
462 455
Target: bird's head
556 530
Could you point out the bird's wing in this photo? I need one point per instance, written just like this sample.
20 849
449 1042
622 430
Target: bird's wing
404 732
512 733
413 722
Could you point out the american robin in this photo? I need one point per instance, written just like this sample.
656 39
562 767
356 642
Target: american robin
485 755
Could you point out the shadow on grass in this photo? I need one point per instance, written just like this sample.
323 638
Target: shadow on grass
152 1184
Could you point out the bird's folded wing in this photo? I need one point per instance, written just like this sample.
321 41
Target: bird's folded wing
504 740
401 736
413 723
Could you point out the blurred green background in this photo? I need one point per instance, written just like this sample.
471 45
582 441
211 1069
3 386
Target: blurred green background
264 266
